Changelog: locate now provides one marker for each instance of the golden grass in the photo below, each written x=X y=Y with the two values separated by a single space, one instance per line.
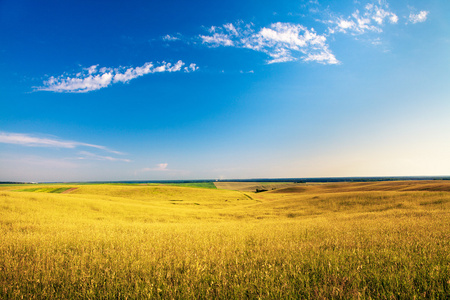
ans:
x=339 y=241
x=252 y=186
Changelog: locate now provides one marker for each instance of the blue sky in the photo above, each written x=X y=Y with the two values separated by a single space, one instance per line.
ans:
x=147 y=90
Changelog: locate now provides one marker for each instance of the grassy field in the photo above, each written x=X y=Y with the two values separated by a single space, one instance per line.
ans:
x=378 y=240
x=206 y=185
x=252 y=186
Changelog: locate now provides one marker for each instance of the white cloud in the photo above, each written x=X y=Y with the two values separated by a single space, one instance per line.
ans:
x=418 y=18
x=370 y=19
x=159 y=167
x=345 y=24
x=20 y=163
x=380 y=13
x=92 y=69
x=286 y=41
x=75 y=84
x=89 y=155
x=282 y=42
x=162 y=167
x=33 y=141
x=218 y=39
x=376 y=42
x=324 y=56
x=27 y=140
x=95 y=79
x=191 y=68
x=170 y=38
x=393 y=19
x=132 y=73
x=230 y=27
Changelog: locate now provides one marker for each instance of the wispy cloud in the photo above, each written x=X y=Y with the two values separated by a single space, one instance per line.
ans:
x=282 y=42
x=217 y=39
x=89 y=155
x=191 y=68
x=371 y=18
x=159 y=167
x=35 y=141
x=94 y=78
x=27 y=162
x=418 y=18
x=162 y=168
x=170 y=38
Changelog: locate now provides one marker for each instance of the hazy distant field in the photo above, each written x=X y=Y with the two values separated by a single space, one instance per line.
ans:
x=252 y=186
x=377 y=240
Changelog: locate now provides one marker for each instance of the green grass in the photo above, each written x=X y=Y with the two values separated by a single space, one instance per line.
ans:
x=206 y=185
x=172 y=242
x=252 y=186
x=56 y=190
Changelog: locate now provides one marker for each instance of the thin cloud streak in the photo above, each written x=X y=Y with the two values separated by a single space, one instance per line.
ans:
x=33 y=141
x=159 y=167
x=89 y=155
x=43 y=162
x=93 y=78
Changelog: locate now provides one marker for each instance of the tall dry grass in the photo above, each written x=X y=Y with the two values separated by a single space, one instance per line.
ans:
x=131 y=242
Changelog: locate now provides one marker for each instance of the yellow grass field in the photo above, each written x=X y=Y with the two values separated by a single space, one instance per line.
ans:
x=252 y=186
x=371 y=240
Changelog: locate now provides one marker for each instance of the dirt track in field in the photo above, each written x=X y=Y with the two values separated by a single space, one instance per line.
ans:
x=69 y=190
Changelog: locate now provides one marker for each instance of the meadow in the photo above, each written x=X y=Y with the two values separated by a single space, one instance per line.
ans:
x=367 y=240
